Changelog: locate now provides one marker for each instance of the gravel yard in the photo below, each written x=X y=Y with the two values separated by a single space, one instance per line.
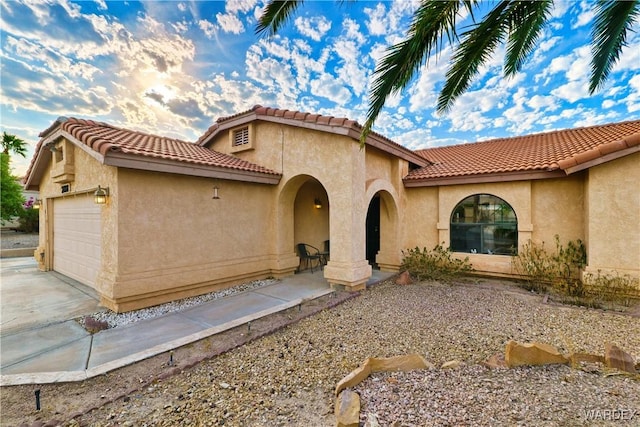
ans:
x=288 y=378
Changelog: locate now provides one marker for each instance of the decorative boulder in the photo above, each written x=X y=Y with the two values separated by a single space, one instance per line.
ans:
x=404 y=279
x=405 y=363
x=354 y=378
x=496 y=361
x=347 y=409
x=616 y=358
x=532 y=354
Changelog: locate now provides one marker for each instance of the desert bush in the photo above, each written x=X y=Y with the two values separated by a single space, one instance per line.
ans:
x=435 y=264
x=613 y=287
x=560 y=270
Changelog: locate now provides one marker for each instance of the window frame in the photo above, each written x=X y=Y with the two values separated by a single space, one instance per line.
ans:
x=489 y=226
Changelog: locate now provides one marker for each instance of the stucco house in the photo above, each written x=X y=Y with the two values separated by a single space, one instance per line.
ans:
x=181 y=218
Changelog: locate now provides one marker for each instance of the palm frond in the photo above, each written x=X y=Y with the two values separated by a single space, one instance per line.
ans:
x=432 y=21
x=527 y=21
x=275 y=15
x=476 y=48
x=609 y=35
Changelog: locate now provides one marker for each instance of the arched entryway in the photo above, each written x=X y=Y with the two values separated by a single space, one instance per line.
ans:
x=311 y=214
x=382 y=227
x=373 y=231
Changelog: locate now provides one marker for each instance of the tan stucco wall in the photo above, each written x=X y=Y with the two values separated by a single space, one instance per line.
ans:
x=613 y=211
x=558 y=208
x=543 y=208
x=175 y=240
x=88 y=173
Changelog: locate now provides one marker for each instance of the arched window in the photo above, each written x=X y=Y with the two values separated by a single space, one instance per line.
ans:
x=484 y=224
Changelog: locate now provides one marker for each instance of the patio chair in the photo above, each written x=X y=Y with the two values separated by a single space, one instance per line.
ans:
x=308 y=254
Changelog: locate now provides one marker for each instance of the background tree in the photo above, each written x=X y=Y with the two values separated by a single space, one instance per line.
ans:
x=11 y=198
x=13 y=144
x=518 y=23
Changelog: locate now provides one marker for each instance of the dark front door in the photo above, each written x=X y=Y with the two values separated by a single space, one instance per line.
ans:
x=373 y=230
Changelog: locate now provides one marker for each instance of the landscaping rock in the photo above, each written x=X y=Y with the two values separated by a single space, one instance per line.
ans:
x=531 y=354
x=576 y=358
x=404 y=279
x=355 y=377
x=407 y=362
x=451 y=364
x=616 y=358
x=496 y=361
x=347 y=409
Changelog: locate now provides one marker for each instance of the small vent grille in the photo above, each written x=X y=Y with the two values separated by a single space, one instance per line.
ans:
x=65 y=188
x=241 y=136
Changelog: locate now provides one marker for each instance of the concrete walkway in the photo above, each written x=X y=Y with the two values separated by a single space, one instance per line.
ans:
x=41 y=343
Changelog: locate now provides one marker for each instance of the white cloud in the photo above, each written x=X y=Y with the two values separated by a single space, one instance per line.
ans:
x=585 y=15
x=327 y=86
x=315 y=27
x=632 y=101
x=539 y=102
x=607 y=103
x=230 y=23
x=235 y=6
x=208 y=28
x=572 y=91
x=102 y=4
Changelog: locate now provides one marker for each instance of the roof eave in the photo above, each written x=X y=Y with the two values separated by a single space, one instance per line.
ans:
x=353 y=131
x=43 y=156
x=600 y=160
x=484 y=178
x=129 y=161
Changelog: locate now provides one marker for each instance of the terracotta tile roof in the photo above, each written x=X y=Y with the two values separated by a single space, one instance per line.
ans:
x=317 y=121
x=104 y=139
x=551 y=151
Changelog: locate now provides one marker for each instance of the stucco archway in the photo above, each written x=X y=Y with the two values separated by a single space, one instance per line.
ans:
x=383 y=213
x=299 y=218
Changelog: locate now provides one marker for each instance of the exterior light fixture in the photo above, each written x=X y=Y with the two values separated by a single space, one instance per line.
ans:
x=53 y=148
x=215 y=192
x=37 y=204
x=100 y=196
x=317 y=203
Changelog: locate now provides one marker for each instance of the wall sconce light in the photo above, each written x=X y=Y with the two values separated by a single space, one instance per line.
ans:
x=317 y=203
x=53 y=148
x=37 y=204
x=100 y=196
x=215 y=192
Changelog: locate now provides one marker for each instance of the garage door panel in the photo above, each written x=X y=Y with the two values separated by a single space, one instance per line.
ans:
x=77 y=238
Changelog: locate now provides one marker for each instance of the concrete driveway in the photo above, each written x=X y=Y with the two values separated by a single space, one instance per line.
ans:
x=31 y=298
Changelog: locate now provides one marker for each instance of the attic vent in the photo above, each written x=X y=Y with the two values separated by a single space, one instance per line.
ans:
x=241 y=136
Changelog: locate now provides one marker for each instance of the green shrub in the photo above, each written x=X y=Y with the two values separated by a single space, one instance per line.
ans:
x=435 y=264
x=29 y=217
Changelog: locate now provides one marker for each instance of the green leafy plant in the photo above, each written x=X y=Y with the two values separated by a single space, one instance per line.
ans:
x=435 y=264
x=29 y=217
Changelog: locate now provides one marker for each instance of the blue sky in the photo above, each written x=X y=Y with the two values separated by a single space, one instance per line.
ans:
x=173 y=67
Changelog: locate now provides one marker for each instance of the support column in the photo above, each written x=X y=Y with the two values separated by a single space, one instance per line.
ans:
x=348 y=269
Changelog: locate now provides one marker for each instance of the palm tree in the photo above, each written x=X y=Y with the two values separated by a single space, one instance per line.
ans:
x=519 y=23
x=14 y=144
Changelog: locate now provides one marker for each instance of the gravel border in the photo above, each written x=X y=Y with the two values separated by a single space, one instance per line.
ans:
x=115 y=320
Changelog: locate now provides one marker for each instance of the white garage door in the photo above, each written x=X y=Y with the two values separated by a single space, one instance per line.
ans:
x=77 y=238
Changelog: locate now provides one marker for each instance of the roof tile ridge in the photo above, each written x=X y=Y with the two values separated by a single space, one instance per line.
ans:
x=600 y=150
